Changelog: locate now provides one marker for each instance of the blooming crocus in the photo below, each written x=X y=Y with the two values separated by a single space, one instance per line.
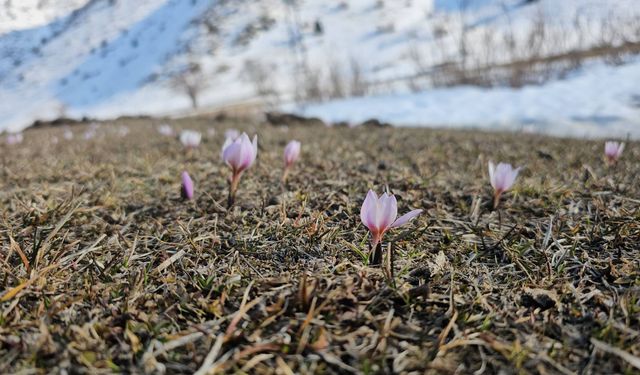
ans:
x=291 y=154
x=612 y=151
x=67 y=134
x=239 y=154
x=190 y=138
x=231 y=133
x=380 y=215
x=502 y=178
x=14 y=138
x=187 y=186
x=166 y=130
x=89 y=134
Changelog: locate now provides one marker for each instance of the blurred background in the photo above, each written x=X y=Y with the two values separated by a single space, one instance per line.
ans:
x=564 y=67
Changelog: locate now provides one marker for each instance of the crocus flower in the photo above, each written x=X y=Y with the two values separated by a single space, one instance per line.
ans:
x=502 y=178
x=231 y=133
x=187 y=186
x=14 y=138
x=380 y=215
x=239 y=154
x=166 y=130
x=612 y=151
x=291 y=154
x=89 y=134
x=190 y=138
x=67 y=134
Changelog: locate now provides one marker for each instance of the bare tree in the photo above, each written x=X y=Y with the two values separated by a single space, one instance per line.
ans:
x=336 y=81
x=190 y=80
x=359 y=86
x=261 y=78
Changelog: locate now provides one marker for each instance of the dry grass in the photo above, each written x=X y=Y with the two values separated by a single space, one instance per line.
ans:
x=104 y=269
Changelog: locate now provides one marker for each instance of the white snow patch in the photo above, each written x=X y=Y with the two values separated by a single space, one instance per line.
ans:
x=601 y=101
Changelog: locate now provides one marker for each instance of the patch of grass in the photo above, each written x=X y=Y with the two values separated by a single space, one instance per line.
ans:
x=117 y=274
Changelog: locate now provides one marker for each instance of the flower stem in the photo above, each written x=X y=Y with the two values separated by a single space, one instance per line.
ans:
x=233 y=188
x=375 y=256
x=285 y=174
x=496 y=199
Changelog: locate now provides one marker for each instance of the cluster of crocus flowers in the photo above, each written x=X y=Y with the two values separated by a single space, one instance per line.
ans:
x=239 y=154
x=379 y=214
x=502 y=178
x=613 y=151
x=291 y=154
x=186 y=190
x=14 y=138
x=190 y=139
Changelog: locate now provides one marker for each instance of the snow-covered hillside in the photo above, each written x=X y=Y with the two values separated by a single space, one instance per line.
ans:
x=601 y=101
x=104 y=58
x=23 y=14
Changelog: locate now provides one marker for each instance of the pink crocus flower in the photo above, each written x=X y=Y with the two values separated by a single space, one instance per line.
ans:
x=231 y=133
x=166 y=130
x=502 y=178
x=190 y=138
x=612 y=151
x=187 y=186
x=239 y=154
x=291 y=154
x=380 y=215
x=14 y=138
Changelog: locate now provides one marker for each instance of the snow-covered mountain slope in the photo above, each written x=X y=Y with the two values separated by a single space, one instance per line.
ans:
x=104 y=58
x=601 y=101
x=23 y=14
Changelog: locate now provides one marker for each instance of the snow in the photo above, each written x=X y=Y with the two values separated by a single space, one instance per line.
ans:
x=103 y=58
x=23 y=14
x=600 y=101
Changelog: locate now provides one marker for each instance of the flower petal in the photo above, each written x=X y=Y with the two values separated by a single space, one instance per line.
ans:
x=492 y=171
x=368 y=210
x=388 y=212
x=402 y=220
x=227 y=143
x=232 y=155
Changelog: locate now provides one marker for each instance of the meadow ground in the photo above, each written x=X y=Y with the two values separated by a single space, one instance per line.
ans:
x=105 y=269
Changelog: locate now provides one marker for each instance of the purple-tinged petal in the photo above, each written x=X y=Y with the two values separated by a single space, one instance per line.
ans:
x=492 y=174
x=402 y=220
x=187 y=186
x=368 y=210
x=232 y=155
x=227 y=143
x=388 y=211
x=291 y=153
